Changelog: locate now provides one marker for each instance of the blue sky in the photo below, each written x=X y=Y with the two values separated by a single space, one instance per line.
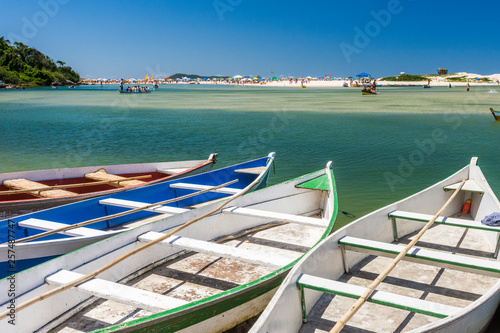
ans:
x=115 y=39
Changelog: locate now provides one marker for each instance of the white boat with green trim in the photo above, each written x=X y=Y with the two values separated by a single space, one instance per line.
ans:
x=447 y=282
x=208 y=277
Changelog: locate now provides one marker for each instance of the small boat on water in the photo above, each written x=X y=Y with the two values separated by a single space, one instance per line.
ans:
x=136 y=91
x=27 y=191
x=426 y=86
x=368 y=91
x=45 y=234
x=208 y=277
x=496 y=114
x=447 y=282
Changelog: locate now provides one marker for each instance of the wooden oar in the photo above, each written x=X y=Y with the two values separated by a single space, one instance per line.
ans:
x=108 y=217
x=371 y=288
x=93 y=274
x=72 y=185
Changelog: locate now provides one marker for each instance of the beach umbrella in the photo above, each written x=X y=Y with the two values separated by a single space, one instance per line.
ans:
x=237 y=77
x=246 y=76
x=363 y=75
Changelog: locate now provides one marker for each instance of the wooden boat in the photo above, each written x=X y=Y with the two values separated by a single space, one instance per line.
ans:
x=496 y=114
x=208 y=277
x=449 y=282
x=112 y=214
x=27 y=191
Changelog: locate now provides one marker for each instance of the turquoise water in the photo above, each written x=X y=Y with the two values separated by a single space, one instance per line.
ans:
x=383 y=147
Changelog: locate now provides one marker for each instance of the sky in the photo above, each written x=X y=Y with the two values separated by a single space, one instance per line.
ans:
x=130 y=39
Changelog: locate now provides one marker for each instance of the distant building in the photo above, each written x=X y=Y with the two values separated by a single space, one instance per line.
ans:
x=442 y=71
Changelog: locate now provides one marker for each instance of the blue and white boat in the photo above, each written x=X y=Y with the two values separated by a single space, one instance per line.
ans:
x=116 y=213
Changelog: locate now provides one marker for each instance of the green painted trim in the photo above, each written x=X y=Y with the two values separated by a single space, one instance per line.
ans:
x=318 y=183
x=371 y=300
x=479 y=227
x=189 y=318
x=416 y=256
x=237 y=295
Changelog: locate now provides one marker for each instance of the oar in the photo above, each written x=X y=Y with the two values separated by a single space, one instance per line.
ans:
x=371 y=288
x=72 y=185
x=108 y=217
x=93 y=274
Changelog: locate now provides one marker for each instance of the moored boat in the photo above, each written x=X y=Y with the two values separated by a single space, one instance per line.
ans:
x=208 y=277
x=447 y=282
x=368 y=91
x=496 y=114
x=41 y=235
x=138 y=91
x=27 y=191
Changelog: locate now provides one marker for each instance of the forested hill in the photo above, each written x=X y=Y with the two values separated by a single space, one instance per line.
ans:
x=23 y=65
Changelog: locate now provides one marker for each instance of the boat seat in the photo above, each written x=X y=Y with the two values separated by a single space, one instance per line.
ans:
x=311 y=221
x=171 y=171
x=114 y=180
x=121 y=293
x=444 y=221
x=262 y=257
x=197 y=187
x=423 y=256
x=469 y=186
x=252 y=171
x=38 y=189
x=49 y=226
x=136 y=204
x=378 y=297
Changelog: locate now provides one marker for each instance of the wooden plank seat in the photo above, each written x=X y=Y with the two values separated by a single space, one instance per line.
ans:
x=114 y=180
x=121 y=293
x=311 y=221
x=49 y=225
x=442 y=220
x=171 y=171
x=469 y=186
x=197 y=187
x=39 y=191
x=160 y=209
x=423 y=256
x=251 y=171
x=263 y=257
x=379 y=297
x=450 y=221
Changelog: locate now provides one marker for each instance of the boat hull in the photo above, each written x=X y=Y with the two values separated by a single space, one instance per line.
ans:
x=35 y=252
x=12 y=205
x=285 y=311
x=496 y=114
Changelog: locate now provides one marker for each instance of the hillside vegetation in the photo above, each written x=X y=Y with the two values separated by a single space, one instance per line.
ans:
x=23 y=65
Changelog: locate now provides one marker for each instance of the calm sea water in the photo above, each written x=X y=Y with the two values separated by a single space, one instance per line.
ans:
x=383 y=147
